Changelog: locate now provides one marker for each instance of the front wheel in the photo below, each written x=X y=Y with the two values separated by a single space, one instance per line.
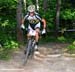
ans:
x=32 y=49
x=28 y=51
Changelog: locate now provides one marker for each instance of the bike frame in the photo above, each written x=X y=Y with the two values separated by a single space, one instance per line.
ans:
x=30 y=48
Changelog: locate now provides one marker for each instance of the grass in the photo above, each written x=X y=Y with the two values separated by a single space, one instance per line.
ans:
x=60 y=39
x=4 y=54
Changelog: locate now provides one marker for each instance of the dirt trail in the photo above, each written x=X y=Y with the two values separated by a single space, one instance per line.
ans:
x=50 y=59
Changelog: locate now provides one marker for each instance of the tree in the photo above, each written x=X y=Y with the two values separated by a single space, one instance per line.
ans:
x=57 y=15
x=73 y=3
x=45 y=4
x=37 y=5
x=24 y=4
x=19 y=18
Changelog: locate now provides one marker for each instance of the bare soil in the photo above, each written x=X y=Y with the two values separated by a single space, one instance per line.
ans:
x=50 y=59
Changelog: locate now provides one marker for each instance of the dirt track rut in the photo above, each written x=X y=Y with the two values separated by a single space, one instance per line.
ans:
x=51 y=59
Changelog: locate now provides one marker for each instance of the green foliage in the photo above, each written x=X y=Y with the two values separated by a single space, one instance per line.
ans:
x=50 y=14
x=11 y=44
x=8 y=7
x=62 y=39
x=71 y=48
x=7 y=36
x=7 y=50
x=4 y=53
x=68 y=14
x=29 y=2
x=74 y=43
x=8 y=28
x=8 y=3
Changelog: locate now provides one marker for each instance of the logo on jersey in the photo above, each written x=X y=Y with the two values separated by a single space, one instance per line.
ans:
x=33 y=21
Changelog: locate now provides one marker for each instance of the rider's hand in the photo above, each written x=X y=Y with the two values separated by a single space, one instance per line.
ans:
x=44 y=31
x=22 y=26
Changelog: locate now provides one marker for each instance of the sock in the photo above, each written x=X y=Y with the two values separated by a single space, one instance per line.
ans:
x=36 y=43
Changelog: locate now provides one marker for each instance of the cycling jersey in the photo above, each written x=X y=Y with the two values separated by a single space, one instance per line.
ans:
x=33 y=21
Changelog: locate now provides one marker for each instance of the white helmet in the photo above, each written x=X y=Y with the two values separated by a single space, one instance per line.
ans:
x=31 y=8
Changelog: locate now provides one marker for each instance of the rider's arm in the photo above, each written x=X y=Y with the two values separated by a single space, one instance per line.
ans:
x=22 y=24
x=44 y=23
x=23 y=20
x=42 y=20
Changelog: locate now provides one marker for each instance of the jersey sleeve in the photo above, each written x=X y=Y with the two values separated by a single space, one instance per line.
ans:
x=39 y=17
x=26 y=16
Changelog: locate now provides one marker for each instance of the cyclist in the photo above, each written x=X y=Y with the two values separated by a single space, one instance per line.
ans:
x=34 y=23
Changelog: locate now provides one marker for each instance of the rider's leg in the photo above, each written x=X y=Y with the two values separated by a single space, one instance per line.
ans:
x=37 y=37
x=28 y=36
x=37 y=34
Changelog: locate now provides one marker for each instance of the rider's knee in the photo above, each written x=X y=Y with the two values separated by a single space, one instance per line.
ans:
x=37 y=30
x=37 y=34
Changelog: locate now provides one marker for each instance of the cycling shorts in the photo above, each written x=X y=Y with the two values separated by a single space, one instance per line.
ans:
x=34 y=26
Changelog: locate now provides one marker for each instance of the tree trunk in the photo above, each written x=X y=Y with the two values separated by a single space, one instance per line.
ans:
x=45 y=4
x=57 y=16
x=24 y=4
x=37 y=5
x=73 y=3
x=19 y=17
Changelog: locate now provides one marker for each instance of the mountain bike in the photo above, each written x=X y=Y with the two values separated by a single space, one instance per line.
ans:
x=29 y=52
x=30 y=48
